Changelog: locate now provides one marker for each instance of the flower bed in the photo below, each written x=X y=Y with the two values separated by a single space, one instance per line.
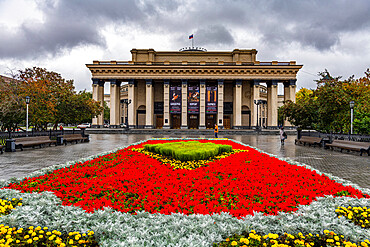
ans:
x=247 y=185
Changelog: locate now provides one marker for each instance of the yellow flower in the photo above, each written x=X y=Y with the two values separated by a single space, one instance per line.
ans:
x=234 y=243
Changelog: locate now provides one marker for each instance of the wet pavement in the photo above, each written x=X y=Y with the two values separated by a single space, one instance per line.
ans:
x=350 y=166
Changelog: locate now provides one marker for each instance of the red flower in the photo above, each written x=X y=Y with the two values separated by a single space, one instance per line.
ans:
x=244 y=182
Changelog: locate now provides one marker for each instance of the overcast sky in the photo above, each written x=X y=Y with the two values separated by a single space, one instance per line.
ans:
x=64 y=35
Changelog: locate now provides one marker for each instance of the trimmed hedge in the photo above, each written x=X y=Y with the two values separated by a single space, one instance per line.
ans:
x=186 y=151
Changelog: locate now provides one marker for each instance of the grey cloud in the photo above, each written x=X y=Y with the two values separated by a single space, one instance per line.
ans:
x=213 y=35
x=315 y=23
x=68 y=24
x=318 y=24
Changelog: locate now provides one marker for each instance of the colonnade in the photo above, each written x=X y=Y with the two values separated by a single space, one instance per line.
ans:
x=244 y=92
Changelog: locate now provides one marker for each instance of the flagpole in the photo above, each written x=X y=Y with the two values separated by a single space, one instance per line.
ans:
x=192 y=42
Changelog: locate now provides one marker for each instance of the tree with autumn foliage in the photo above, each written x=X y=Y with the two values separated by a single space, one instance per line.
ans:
x=326 y=108
x=53 y=99
x=12 y=103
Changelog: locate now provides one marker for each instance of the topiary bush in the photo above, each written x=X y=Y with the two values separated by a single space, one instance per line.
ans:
x=191 y=150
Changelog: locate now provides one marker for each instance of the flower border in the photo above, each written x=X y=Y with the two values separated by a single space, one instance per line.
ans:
x=115 y=228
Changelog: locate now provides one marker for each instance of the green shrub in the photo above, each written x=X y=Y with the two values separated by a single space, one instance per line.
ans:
x=191 y=150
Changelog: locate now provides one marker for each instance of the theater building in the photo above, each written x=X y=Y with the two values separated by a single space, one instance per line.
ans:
x=193 y=89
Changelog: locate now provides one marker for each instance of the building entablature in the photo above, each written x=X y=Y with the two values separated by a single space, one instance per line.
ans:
x=123 y=72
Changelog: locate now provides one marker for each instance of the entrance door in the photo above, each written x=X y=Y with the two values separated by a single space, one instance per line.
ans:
x=176 y=121
x=227 y=122
x=159 y=122
x=210 y=121
x=193 y=121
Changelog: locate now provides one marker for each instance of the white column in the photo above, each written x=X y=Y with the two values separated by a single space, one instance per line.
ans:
x=202 y=110
x=114 y=103
x=149 y=104
x=95 y=96
x=292 y=89
x=101 y=99
x=184 y=104
x=132 y=106
x=166 y=104
x=237 y=104
x=255 y=95
x=220 y=104
x=289 y=94
x=272 y=106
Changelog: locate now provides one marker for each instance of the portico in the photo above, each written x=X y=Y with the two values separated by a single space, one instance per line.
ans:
x=193 y=88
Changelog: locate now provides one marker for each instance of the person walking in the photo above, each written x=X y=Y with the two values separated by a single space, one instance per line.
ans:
x=216 y=131
x=283 y=135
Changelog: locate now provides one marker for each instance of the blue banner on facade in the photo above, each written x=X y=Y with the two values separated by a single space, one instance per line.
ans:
x=193 y=99
x=175 y=99
x=211 y=99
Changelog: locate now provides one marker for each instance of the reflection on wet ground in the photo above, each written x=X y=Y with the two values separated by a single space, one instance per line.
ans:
x=350 y=166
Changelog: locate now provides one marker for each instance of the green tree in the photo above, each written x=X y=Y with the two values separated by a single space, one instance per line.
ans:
x=302 y=113
x=327 y=107
x=85 y=107
x=106 y=112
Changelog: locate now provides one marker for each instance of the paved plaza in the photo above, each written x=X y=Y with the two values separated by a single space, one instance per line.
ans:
x=349 y=166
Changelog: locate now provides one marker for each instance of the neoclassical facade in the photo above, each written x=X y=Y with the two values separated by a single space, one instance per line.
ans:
x=193 y=88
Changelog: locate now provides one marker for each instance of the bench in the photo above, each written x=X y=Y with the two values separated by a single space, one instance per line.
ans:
x=33 y=141
x=1 y=149
x=350 y=145
x=310 y=140
x=74 y=138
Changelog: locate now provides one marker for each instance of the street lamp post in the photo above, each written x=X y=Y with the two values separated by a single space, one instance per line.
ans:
x=351 y=105
x=257 y=102
x=127 y=102
x=27 y=102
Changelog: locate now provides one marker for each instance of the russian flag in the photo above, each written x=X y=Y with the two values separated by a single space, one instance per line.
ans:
x=191 y=36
